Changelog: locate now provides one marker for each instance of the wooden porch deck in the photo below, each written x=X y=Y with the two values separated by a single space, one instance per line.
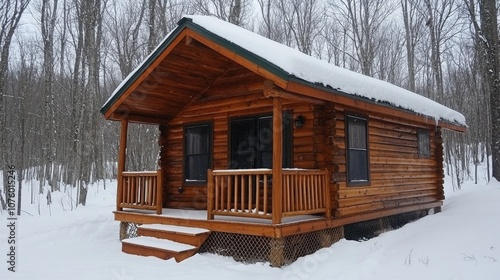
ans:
x=228 y=224
x=255 y=226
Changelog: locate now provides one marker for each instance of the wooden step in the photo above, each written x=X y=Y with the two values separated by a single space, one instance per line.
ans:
x=187 y=235
x=160 y=248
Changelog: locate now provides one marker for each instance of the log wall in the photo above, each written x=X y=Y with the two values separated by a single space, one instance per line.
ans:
x=398 y=175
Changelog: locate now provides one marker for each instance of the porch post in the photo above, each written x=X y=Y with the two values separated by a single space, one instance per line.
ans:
x=277 y=160
x=121 y=163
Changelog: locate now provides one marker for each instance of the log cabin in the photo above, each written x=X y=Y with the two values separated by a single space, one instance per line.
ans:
x=268 y=154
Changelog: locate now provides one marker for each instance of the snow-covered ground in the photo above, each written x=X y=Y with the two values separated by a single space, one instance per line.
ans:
x=462 y=242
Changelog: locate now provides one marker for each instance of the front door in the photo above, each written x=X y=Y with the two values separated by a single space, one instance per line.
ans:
x=252 y=142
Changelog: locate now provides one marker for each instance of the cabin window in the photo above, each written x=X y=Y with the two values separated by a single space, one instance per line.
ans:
x=357 y=150
x=197 y=151
x=424 y=143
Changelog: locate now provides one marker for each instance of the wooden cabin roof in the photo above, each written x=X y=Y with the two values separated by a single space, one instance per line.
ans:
x=204 y=50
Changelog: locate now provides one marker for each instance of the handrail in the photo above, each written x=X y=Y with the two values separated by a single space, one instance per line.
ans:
x=140 y=190
x=248 y=193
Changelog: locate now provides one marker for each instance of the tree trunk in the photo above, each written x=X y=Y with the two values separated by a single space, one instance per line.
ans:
x=490 y=41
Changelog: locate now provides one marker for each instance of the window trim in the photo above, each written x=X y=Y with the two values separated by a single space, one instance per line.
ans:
x=364 y=118
x=419 y=144
x=186 y=126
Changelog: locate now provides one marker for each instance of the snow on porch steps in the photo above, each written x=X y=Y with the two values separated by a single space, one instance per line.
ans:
x=186 y=235
x=160 y=248
x=176 y=229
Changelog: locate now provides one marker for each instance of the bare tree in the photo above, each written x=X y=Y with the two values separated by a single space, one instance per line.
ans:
x=441 y=21
x=413 y=23
x=487 y=32
x=234 y=11
x=10 y=14
x=48 y=13
x=364 y=22
x=304 y=19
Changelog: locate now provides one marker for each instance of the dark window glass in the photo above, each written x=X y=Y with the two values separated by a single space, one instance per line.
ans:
x=197 y=152
x=424 y=144
x=252 y=142
x=357 y=150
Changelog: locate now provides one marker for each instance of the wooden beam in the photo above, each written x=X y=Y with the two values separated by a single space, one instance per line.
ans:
x=277 y=160
x=159 y=192
x=271 y=91
x=121 y=162
x=120 y=116
x=210 y=195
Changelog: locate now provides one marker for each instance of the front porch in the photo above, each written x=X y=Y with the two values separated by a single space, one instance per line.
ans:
x=240 y=193
x=245 y=239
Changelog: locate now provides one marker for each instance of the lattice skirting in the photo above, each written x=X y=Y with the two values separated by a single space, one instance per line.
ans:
x=128 y=230
x=276 y=251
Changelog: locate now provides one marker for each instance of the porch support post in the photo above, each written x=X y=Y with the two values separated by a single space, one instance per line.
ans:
x=121 y=163
x=277 y=160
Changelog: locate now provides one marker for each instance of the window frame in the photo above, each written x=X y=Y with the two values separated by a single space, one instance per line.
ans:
x=350 y=181
x=427 y=152
x=186 y=181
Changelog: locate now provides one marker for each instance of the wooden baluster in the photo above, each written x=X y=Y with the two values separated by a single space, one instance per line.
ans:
x=250 y=193
x=326 y=194
x=217 y=193
x=317 y=187
x=288 y=194
x=229 y=192
x=265 y=194
x=242 y=196
x=257 y=192
x=236 y=186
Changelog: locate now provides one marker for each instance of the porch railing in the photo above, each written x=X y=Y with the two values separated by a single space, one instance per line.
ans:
x=306 y=192
x=248 y=193
x=140 y=190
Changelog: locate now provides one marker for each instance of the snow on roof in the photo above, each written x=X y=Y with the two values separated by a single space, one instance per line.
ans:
x=312 y=70
x=317 y=71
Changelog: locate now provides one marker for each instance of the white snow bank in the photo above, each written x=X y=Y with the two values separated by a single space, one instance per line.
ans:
x=459 y=243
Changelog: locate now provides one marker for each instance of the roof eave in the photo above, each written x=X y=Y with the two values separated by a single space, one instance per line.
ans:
x=454 y=126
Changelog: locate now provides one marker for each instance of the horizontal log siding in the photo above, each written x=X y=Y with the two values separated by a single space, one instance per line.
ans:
x=398 y=176
x=242 y=98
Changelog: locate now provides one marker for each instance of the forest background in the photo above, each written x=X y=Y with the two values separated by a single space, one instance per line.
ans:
x=61 y=59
